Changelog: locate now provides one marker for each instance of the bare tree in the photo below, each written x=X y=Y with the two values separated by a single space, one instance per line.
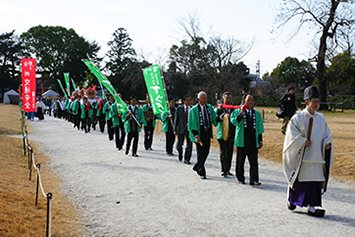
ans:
x=223 y=57
x=331 y=19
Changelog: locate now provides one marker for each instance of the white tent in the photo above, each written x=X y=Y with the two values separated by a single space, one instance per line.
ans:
x=11 y=97
x=50 y=94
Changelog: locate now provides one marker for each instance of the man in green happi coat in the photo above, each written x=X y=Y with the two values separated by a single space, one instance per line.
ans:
x=116 y=123
x=132 y=128
x=149 y=125
x=106 y=111
x=248 y=139
x=86 y=114
x=202 y=117
x=100 y=115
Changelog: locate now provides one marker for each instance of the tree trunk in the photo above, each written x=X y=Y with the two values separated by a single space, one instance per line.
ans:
x=322 y=85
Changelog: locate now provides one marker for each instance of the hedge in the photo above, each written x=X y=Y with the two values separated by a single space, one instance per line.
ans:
x=274 y=100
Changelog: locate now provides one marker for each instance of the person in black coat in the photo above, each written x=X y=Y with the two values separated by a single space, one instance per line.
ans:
x=288 y=105
x=180 y=129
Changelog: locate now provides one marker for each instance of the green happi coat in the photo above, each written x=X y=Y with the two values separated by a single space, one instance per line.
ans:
x=166 y=121
x=99 y=111
x=239 y=127
x=157 y=116
x=75 y=107
x=106 y=110
x=114 y=115
x=194 y=120
x=66 y=105
x=126 y=121
x=83 y=109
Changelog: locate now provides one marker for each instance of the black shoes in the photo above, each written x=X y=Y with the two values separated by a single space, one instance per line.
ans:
x=255 y=183
x=203 y=176
x=241 y=182
x=187 y=162
x=290 y=206
x=180 y=157
x=317 y=213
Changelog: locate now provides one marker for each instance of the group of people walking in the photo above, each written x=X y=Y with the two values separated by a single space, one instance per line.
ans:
x=307 y=160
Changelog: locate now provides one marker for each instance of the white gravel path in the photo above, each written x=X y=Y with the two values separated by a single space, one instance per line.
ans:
x=156 y=195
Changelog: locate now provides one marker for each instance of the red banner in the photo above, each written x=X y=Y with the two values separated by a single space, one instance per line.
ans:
x=28 y=66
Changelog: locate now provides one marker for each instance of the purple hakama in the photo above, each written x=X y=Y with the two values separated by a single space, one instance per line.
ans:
x=306 y=194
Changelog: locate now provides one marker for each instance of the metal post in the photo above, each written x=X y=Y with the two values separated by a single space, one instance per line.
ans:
x=23 y=131
x=30 y=161
x=49 y=214
x=38 y=167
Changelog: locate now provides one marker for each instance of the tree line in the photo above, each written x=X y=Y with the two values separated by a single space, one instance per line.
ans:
x=213 y=64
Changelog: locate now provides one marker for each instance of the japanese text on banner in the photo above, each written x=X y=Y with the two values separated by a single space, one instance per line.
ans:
x=28 y=66
x=155 y=87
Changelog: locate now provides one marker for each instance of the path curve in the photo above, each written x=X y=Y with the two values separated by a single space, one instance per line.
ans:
x=156 y=195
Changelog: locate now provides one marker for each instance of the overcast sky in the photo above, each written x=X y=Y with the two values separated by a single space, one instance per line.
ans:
x=153 y=25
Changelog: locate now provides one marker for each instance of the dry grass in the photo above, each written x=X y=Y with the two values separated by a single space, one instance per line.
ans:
x=342 y=125
x=343 y=130
x=19 y=216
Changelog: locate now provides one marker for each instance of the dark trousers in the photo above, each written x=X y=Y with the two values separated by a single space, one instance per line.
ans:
x=225 y=154
x=134 y=136
x=110 y=129
x=180 y=142
x=102 y=122
x=77 y=121
x=148 y=136
x=170 y=139
x=202 y=154
x=119 y=136
x=94 y=121
x=252 y=154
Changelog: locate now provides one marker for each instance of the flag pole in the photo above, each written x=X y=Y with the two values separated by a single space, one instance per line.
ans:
x=166 y=95
x=135 y=119
x=102 y=89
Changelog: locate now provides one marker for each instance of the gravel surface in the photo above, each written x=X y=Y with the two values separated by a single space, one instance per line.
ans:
x=156 y=195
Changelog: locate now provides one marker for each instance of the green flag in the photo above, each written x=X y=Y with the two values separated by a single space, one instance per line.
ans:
x=155 y=87
x=65 y=94
x=121 y=106
x=66 y=77
x=72 y=81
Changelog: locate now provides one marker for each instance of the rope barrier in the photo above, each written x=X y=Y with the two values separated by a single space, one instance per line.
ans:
x=32 y=162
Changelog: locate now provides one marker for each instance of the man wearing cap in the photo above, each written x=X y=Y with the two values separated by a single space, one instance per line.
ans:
x=308 y=156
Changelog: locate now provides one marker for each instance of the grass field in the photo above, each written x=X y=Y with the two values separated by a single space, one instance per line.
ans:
x=18 y=214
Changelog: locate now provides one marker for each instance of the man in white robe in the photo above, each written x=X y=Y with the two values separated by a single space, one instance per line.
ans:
x=306 y=162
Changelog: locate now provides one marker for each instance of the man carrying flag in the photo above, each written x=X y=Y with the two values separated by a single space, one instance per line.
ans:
x=132 y=128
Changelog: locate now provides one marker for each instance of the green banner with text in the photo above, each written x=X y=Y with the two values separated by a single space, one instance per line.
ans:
x=156 y=90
